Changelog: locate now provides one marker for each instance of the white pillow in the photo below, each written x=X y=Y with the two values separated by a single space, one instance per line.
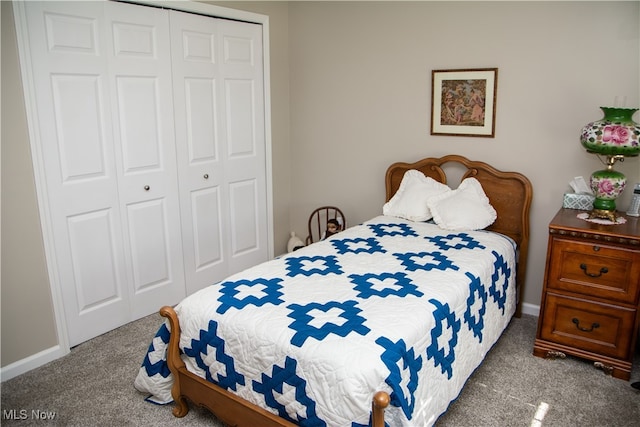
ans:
x=410 y=201
x=466 y=208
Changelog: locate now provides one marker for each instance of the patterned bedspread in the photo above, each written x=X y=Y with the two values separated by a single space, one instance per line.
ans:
x=389 y=305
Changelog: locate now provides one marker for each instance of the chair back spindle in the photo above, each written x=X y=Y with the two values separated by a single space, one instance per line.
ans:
x=317 y=224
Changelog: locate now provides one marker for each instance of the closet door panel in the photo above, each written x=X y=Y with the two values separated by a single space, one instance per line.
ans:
x=149 y=244
x=244 y=136
x=142 y=105
x=244 y=224
x=68 y=58
x=200 y=103
x=241 y=126
x=207 y=227
x=205 y=222
x=72 y=29
x=94 y=250
x=200 y=154
x=81 y=143
x=139 y=128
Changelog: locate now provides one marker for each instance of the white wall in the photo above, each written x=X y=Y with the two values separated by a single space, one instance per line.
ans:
x=361 y=87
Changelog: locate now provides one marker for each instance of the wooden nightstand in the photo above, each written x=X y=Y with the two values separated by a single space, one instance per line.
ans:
x=591 y=295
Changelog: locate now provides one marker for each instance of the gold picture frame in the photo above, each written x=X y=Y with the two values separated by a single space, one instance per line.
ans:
x=463 y=102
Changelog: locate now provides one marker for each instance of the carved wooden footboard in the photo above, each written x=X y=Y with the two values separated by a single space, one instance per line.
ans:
x=229 y=408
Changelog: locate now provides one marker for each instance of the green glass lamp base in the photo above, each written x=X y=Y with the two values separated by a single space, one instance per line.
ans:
x=607 y=186
x=604 y=204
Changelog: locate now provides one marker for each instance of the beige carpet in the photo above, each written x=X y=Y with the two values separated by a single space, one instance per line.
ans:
x=93 y=386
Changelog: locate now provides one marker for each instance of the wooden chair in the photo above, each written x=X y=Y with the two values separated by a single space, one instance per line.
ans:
x=318 y=222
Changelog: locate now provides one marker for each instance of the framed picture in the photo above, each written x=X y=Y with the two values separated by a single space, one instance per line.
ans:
x=463 y=102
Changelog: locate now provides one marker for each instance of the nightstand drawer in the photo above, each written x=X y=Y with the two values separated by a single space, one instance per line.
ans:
x=600 y=328
x=595 y=270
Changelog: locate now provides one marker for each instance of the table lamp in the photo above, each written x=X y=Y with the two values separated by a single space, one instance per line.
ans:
x=616 y=137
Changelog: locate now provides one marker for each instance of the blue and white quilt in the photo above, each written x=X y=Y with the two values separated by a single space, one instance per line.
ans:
x=392 y=305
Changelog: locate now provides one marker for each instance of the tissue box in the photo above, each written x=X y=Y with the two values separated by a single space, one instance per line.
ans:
x=578 y=201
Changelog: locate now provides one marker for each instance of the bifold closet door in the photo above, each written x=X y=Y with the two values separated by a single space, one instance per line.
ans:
x=104 y=135
x=219 y=99
x=139 y=61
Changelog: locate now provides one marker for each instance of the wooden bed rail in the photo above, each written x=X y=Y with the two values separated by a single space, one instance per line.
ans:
x=229 y=408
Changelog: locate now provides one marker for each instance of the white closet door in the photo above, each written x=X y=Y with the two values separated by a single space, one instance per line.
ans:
x=126 y=203
x=102 y=139
x=75 y=132
x=243 y=124
x=218 y=89
x=196 y=86
x=144 y=139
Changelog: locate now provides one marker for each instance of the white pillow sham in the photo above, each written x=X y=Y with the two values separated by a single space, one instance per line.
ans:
x=410 y=201
x=466 y=208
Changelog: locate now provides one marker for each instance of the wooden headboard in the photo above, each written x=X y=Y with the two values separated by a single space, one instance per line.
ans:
x=509 y=193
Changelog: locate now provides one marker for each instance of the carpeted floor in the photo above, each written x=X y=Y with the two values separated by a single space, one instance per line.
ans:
x=93 y=386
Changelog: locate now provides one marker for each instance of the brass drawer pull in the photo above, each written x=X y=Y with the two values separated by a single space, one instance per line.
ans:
x=593 y=326
x=603 y=270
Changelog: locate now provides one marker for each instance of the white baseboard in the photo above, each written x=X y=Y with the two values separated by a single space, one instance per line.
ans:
x=34 y=361
x=533 y=310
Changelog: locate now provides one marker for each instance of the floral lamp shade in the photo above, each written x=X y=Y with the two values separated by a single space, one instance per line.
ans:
x=615 y=136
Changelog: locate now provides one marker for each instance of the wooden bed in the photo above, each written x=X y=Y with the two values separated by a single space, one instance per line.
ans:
x=510 y=193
